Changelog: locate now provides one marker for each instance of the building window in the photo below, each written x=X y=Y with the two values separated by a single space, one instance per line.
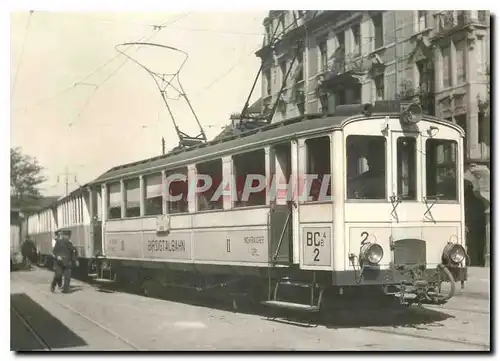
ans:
x=208 y=199
x=379 y=86
x=461 y=55
x=441 y=169
x=378 y=30
x=482 y=16
x=267 y=76
x=318 y=164
x=481 y=128
x=249 y=190
x=268 y=32
x=356 y=35
x=407 y=168
x=340 y=98
x=323 y=55
x=154 y=195
x=299 y=72
x=447 y=76
x=177 y=191
x=422 y=20
x=283 y=72
x=114 y=202
x=356 y=94
x=366 y=167
x=282 y=22
x=424 y=75
x=133 y=197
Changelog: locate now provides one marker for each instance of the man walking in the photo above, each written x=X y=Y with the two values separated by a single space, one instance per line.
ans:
x=64 y=254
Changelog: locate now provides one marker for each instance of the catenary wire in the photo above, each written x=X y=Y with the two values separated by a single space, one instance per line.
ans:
x=26 y=31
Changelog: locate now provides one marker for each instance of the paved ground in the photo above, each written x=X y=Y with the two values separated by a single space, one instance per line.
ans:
x=91 y=320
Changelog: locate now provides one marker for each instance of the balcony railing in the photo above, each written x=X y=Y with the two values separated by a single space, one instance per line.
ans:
x=454 y=19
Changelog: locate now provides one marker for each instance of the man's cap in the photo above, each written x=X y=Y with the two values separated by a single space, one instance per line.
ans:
x=63 y=231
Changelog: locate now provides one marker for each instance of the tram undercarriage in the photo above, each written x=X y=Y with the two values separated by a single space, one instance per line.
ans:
x=285 y=287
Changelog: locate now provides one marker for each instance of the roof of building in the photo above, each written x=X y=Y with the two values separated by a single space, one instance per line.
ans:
x=31 y=204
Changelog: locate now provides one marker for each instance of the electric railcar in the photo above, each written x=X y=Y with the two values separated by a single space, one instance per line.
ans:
x=387 y=215
x=72 y=213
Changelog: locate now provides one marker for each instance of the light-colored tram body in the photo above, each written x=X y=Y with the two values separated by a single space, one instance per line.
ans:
x=70 y=212
x=330 y=243
x=41 y=228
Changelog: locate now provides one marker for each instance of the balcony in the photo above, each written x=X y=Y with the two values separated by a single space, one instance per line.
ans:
x=343 y=68
x=452 y=20
x=422 y=94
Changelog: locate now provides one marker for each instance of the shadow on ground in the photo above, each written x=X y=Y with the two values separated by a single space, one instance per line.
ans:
x=370 y=312
x=386 y=311
x=52 y=331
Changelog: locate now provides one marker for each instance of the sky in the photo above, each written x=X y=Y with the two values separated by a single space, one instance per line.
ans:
x=80 y=124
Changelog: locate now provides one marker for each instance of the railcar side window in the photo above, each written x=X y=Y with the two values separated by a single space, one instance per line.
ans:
x=407 y=168
x=318 y=164
x=132 y=198
x=366 y=167
x=245 y=166
x=441 y=169
x=177 y=195
x=114 y=201
x=206 y=199
x=154 y=197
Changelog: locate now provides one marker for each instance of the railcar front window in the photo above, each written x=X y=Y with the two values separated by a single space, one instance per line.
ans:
x=407 y=168
x=318 y=163
x=366 y=167
x=441 y=169
x=207 y=200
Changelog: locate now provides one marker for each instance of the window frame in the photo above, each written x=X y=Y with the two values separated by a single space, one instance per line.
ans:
x=126 y=182
x=234 y=179
x=396 y=171
x=387 y=169
x=305 y=165
x=168 y=172
x=427 y=167
x=197 y=197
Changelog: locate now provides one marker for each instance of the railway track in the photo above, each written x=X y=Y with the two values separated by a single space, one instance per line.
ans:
x=400 y=331
x=45 y=346
x=76 y=313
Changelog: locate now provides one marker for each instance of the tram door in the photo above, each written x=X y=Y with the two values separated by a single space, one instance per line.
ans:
x=281 y=213
x=96 y=236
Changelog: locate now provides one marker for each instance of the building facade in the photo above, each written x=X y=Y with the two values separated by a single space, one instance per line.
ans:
x=439 y=58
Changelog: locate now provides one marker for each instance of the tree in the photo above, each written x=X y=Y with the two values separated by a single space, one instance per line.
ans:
x=25 y=176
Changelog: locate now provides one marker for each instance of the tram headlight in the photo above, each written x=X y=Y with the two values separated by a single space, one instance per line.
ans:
x=454 y=253
x=372 y=252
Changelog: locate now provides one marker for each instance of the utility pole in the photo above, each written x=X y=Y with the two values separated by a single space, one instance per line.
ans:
x=66 y=175
x=162 y=145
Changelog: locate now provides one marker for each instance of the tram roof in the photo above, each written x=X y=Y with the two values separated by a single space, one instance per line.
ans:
x=251 y=139
x=279 y=131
